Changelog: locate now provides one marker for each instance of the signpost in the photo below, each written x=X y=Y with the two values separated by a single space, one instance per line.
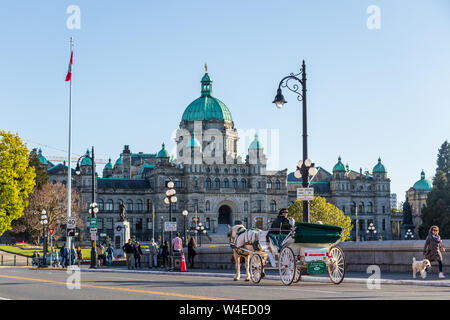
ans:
x=170 y=226
x=305 y=194
x=51 y=231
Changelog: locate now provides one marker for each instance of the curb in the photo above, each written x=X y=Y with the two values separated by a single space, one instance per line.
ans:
x=432 y=283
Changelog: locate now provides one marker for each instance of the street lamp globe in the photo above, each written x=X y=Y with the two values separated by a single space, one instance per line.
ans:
x=297 y=174
x=166 y=201
x=312 y=171
x=308 y=162
x=170 y=184
x=279 y=99
x=173 y=199
x=185 y=212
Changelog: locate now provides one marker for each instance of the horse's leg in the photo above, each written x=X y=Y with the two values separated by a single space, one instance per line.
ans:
x=247 y=267
x=237 y=262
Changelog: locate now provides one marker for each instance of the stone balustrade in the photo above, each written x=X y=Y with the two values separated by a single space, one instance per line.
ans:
x=390 y=256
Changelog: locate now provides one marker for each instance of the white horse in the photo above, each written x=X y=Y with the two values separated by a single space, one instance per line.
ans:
x=241 y=238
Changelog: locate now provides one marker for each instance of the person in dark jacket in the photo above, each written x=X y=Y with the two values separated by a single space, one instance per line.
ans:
x=79 y=255
x=281 y=223
x=137 y=255
x=165 y=253
x=128 y=249
x=64 y=256
x=191 y=252
x=433 y=248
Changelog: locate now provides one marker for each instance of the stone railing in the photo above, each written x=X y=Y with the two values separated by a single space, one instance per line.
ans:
x=390 y=256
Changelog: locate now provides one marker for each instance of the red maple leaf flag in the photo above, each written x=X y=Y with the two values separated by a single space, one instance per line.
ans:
x=69 y=72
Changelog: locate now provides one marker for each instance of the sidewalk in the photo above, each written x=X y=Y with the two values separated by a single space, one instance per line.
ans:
x=350 y=277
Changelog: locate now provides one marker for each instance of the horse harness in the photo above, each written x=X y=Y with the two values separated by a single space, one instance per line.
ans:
x=247 y=241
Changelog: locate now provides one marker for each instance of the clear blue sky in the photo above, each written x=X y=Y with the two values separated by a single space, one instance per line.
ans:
x=137 y=65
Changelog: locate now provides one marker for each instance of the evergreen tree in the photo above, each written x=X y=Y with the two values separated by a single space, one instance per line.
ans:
x=437 y=209
x=41 y=170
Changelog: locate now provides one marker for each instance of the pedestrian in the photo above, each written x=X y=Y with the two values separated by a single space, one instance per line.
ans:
x=165 y=253
x=177 y=243
x=101 y=255
x=64 y=256
x=128 y=249
x=79 y=255
x=153 y=259
x=110 y=252
x=137 y=255
x=73 y=255
x=433 y=248
x=191 y=251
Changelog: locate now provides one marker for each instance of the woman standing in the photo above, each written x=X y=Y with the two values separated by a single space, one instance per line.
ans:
x=191 y=251
x=79 y=255
x=433 y=248
x=165 y=253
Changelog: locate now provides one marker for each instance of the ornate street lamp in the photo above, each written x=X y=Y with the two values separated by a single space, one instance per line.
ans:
x=372 y=230
x=305 y=166
x=409 y=235
x=200 y=229
x=169 y=200
x=185 y=213
x=44 y=222
x=93 y=210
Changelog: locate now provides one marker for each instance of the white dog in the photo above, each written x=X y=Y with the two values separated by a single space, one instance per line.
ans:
x=420 y=266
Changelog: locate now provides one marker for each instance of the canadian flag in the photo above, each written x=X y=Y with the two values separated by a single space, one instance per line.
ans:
x=69 y=72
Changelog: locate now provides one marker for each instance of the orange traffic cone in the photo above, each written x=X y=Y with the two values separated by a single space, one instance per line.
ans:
x=183 y=262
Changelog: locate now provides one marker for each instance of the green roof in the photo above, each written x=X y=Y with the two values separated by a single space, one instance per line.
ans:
x=379 y=167
x=423 y=184
x=206 y=107
x=339 y=166
x=108 y=166
x=256 y=144
x=42 y=159
x=119 y=161
x=86 y=161
x=163 y=153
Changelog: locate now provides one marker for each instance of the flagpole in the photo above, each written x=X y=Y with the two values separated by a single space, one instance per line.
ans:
x=69 y=169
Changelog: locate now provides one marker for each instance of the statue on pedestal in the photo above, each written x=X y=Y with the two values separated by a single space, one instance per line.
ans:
x=122 y=212
x=407 y=214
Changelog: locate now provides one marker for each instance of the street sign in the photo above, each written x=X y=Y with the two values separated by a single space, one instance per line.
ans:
x=93 y=223
x=71 y=232
x=71 y=223
x=93 y=236
x=170 y=226
x=305 y=194
x=93 y=230
x=51 y=231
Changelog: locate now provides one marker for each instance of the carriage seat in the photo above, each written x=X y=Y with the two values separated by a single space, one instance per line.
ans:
x=277 y=239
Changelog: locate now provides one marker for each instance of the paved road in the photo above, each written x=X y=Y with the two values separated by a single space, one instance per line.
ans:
x=23 y=283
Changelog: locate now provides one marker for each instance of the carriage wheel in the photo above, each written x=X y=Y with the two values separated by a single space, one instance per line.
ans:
x=298 y=274
x=336 y=269
x=256 y=268
x=287 y=266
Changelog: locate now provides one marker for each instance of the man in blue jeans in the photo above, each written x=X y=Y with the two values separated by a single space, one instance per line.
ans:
x=110 y=253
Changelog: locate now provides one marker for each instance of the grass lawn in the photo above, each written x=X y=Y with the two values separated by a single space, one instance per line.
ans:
x=16 y=250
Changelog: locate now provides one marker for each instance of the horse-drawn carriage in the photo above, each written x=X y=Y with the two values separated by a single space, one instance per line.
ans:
x=307 y=247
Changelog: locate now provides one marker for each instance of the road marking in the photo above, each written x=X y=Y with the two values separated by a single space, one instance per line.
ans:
x=1 y=298
x=180 y=295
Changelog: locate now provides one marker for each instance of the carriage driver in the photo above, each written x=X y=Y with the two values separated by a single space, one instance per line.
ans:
x=281 y=223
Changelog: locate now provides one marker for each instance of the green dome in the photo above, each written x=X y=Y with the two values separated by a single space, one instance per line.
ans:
x=206 y=107
x=163 y=153
x=423 y=184
x=256 y=144
x=86 y=161
x=379 y=167
x=42 y=159
x=119 y=161
x=193 y=142
x=108 y=166
x=339 y=166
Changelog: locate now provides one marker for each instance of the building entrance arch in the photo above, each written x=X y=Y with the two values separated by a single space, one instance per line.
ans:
x=224 y=215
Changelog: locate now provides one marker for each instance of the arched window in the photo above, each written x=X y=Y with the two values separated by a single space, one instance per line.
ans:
x=100 y=205
x=234 y=170
x=139 y=205
x=361 y=207
x=273 y=206
x=243 y=184
x=225 y=171
x=109 y=205
x=208 y=183
x=226 y=183
x=235 y=183
x=370 y=207
x=207 y=206
x=129 y=205
x=353 y=208
x=277 y=184
x=246 y=206
x=217 y=183
x=269 y=184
